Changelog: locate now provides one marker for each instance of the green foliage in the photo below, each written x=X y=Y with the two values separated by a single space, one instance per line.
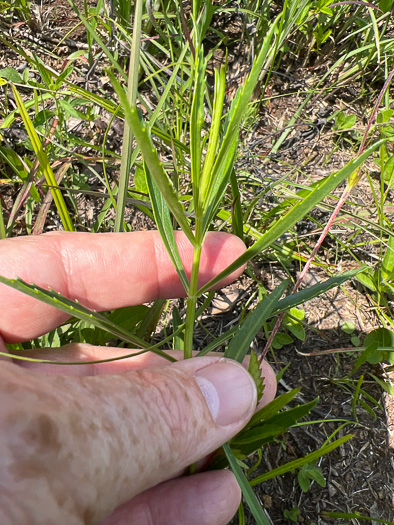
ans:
x=292 y=514
x=344 y=122
x=239 y=345
x=188 y=133
x=310 y=472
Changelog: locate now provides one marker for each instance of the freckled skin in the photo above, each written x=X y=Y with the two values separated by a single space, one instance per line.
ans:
x=61 y=444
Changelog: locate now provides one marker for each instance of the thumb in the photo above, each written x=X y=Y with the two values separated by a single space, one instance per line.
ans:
x=104 y=439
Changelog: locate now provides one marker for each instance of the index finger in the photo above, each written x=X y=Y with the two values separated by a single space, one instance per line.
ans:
x=102 y=271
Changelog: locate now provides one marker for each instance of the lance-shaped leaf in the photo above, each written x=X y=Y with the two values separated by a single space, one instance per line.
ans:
x=239 y=345
x=73 y=309
x=164 y=225
x=196 y=122
x=223 y=164
x=151 y=158
x=290 y=301
x=296 y=213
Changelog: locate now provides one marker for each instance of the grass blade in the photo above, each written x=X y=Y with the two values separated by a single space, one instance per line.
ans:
x=239 y=345
x=297 y=212
x=353 y=515
x=44 y=164
x=95 y=35
x=152 y=160
x=220 y=91
x=249 y=495
x=298 y=463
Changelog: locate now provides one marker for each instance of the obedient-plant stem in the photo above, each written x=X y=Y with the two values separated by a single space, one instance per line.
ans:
x=193 y=294
x=191 y=303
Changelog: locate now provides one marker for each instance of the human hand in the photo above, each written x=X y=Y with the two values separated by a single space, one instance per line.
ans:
x=78 y=442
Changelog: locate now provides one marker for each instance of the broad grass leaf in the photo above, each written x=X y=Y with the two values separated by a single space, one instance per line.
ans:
x=239 y=345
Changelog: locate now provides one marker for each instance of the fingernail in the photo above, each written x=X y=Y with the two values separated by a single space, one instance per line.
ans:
x=229 y=391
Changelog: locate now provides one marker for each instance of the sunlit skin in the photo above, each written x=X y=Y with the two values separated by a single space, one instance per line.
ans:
x=110 y=443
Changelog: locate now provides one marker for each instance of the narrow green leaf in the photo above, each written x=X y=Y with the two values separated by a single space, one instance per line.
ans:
x=298 y=463
x=220 y=90
x=152 y=160
x=164 y=225
x=236 y=215
x=375 y=31
x=44 y=164
x=196 y=123
x=353 y=515
x=149 y=323
x=388 y=260
x=178 y=339
x=272 y=408
x=239 y=107
x=296 y=213
x=239 y=345
x=249 y=495
x=290 y=301
x=73 y=308
x=274 y=426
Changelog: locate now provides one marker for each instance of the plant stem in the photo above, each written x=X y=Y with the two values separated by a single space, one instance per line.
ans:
x=191 y=302
x=3 y=234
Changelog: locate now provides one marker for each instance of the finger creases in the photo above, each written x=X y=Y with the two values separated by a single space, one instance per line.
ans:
x=79 y=436
x=101 y=271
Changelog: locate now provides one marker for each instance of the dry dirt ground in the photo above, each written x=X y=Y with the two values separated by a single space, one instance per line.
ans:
x=360 y=473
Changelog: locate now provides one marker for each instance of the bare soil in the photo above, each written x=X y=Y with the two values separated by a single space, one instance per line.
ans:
x=360 y=473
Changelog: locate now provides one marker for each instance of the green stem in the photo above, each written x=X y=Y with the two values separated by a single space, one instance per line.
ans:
x=191 y=302
x=3 y=234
